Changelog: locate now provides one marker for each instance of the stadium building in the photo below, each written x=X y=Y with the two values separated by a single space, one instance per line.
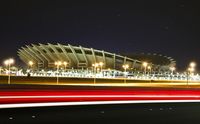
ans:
x=44 y=56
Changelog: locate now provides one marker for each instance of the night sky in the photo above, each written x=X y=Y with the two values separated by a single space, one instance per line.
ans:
x=166 y=27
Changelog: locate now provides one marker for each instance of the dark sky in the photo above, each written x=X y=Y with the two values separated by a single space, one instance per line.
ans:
x=167 y=27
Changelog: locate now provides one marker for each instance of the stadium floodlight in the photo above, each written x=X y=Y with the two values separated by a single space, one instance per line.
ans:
x=8 y=63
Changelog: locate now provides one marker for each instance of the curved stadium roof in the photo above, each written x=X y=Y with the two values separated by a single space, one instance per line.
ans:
x=45 y=55
x=157 y=59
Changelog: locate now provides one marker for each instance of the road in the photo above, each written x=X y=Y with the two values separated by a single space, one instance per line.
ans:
x=12 y=96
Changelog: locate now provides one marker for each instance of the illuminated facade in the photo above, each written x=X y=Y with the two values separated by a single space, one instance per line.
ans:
x=44 y=56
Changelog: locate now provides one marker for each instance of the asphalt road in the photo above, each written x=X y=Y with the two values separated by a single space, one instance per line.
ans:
x=168 y=113
x=30 y=95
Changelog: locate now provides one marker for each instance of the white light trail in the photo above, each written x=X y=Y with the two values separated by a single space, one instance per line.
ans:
x=22 y=105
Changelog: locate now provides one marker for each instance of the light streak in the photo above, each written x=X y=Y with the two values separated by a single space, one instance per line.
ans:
x=104 y=96
x=23 y=105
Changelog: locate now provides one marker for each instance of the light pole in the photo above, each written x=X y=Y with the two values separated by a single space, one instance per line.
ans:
x=192 y=64
x=95 y=66
x=190 y=70
x=8 y=63
x=172 y=69
x=30 y=63
x=125 y=66
x=149 y=68
x=65 y=64
x=101 y=65
x=30 y=67
x=189 y=73
x=58 y=63
x=145 y=66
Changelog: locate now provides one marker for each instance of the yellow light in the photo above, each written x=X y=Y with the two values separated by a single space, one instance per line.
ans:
x=9 y=61
x=125 y=66
x=96 y=65
x=101 y=63
x=6 y=62
x=145 y=64
x=172 y=68
x=65 y=63
x=30 y=63
x=149 y=67
x=192 y=64
x=190 y=69
x=58 y=63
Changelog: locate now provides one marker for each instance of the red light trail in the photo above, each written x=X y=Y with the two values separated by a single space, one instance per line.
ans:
x=47 y=97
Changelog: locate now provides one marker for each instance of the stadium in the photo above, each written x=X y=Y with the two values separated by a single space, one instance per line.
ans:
x=44 y=56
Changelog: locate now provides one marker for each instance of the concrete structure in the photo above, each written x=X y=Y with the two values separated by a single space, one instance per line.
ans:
x=44 y=56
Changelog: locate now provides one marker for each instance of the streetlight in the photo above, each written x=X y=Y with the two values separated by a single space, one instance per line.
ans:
x=145 y=66
x=149 y=68
x=192 y=64
x=95 y=66
x=190 y=70
x=65 y=64
x=172 y=69
x=101 y=64
x=125 y=66
x=8 y=62
x=30 y=63
x=58 y=63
